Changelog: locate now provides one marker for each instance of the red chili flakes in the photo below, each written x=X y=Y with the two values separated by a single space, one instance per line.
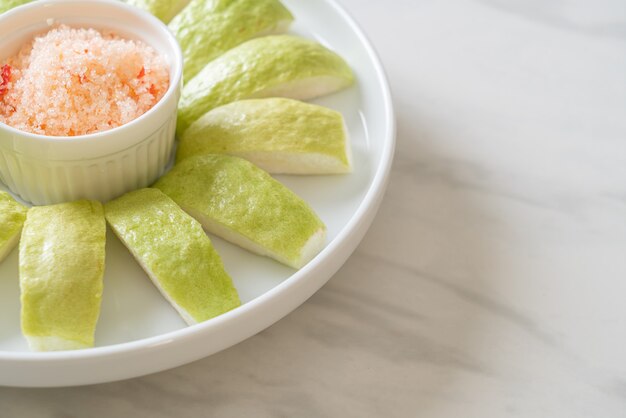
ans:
x=82 y=78
x=5 y=78
x=153 y=91
x=142 y=72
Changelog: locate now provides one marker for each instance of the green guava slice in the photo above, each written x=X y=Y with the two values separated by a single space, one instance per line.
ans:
x=165 y=10
x=241 y=203
x=205 y=29
x=6 y=5
x=271 y=66
x=281 y=136
x=175 y=252
x=61 y=268
x=12 y=217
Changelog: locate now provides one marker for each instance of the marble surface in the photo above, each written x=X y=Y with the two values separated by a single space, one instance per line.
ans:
x=492 y=281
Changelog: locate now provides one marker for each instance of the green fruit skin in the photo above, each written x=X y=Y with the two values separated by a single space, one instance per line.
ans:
x=164 y=10
x=61 y=269
x=254 y=66
x=12 y=217
x=173 y=246
x=244 y=199
x=267 y=126
x=205 y=29
x=6 y=5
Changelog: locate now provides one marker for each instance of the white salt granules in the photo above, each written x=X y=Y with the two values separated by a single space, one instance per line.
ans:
x=75 y=81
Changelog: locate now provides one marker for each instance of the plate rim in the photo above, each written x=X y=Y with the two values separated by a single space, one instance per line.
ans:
x=345 y=240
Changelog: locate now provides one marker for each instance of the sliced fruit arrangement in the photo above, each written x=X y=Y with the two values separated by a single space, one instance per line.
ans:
x=61 y=269
x=6 y=5
x=241 y=203
x=239 y=109
x=175 y=252
x=280 y=65
x=281 y=136
x=163 y=9
x=205 y=29
x=12 y=217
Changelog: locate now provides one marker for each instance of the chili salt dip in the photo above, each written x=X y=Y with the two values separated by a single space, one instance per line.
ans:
x=77 y=81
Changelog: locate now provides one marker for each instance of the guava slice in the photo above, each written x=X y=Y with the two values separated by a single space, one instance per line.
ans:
x=12 y=217
x=206 y=29
x=241 y=203
x=279 y=65
x=165 y=10
x=281 y=136
x=6 y=5
x=175 y=252
x=61 y=268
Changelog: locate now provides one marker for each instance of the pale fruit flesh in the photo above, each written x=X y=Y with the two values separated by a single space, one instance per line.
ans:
x=287 y=65
x=239 y=202
x=175 y=252
x=281 y=136
x=206 y=29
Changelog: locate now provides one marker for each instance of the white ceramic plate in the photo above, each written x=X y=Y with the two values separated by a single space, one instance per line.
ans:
x=140 y=333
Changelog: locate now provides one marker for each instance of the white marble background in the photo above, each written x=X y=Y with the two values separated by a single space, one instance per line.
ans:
x=493 y=282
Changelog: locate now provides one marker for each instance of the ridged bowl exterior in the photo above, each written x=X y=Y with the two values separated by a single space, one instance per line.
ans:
x=43 y=182
x=46 y=170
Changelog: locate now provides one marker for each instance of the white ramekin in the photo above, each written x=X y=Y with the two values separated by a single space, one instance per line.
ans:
x=46 y=170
